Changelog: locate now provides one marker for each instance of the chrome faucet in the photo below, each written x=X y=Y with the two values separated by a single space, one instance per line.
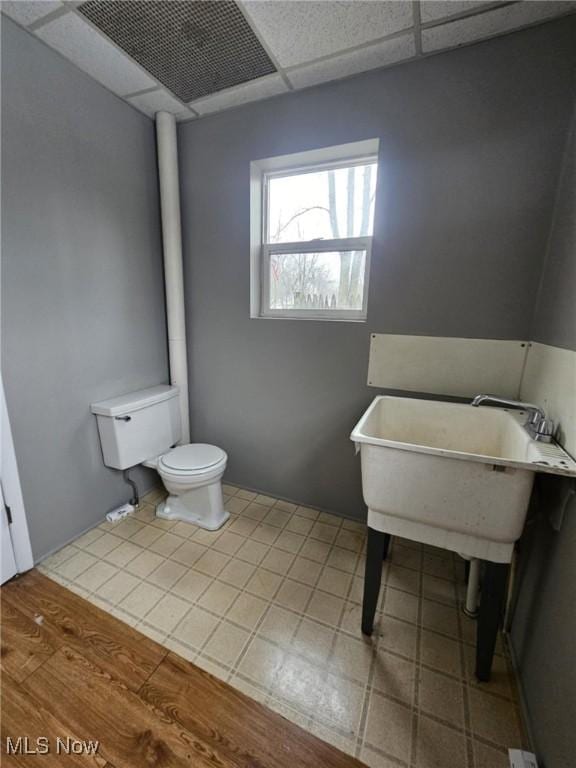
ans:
x=538 y=426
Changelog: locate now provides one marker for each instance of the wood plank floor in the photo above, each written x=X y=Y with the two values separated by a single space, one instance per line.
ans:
x=71 y=670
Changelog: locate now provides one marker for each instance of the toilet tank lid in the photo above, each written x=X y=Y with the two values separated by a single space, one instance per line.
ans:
x=134 y=401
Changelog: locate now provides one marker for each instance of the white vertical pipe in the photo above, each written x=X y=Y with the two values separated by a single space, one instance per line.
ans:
x=471 y=607
x=173 y=271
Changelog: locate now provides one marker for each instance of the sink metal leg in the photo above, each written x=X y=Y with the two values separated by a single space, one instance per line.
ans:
x=386 y=546
x=376 y=551
x=491 y=605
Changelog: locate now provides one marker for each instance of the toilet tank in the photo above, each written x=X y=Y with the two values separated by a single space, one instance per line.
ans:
x=138 y=426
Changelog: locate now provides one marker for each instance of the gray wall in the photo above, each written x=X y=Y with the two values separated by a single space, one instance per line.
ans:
x=82 y=290
x=555 y=316
x=471 y=145
x=544 y=627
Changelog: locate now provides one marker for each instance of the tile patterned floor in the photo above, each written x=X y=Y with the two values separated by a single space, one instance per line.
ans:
x=271 y=603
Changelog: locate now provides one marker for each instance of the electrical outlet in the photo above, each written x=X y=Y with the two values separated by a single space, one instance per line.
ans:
x=521 y=759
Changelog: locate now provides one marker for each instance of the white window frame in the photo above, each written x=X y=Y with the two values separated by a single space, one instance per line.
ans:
x=261 y=171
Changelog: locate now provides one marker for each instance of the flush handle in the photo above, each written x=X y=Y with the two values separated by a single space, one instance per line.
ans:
x=123 y=418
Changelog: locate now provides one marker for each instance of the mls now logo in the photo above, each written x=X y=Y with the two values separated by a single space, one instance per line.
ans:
x=70 y=746
x=22 y=745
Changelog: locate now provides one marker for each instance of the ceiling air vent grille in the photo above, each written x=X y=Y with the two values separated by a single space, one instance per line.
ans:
x=193 y=48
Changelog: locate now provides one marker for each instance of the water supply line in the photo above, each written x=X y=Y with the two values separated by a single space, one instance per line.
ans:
x=173 y=270
x=135 y=500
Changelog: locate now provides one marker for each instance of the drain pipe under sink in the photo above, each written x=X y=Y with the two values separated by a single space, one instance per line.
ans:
x=470 y=605
x=173 y=270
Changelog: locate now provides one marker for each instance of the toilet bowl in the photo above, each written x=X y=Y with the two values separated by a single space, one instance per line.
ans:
x=192 y=475
x=144 y=428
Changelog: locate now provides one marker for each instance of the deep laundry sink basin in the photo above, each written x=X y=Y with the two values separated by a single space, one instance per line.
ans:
x=451 y=475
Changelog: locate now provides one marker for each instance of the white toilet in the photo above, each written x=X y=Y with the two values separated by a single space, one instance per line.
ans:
x=144 y=428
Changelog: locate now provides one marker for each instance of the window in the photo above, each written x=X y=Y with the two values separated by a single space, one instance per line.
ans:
x=312 y=218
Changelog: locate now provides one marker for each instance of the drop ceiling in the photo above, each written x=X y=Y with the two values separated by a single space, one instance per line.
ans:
x=195 y=57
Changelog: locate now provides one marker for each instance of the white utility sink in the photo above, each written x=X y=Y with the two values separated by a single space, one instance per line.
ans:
x=451 y=475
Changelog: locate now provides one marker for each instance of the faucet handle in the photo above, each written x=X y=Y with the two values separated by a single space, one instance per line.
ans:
x=535 y=418
x=545 y=430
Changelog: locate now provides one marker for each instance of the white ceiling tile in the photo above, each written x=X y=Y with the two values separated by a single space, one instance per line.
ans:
x=92 y=52
x=378 y=55
x=241 y=94
x=26 y=13
x=431 y=10
x=491 y=23
x=299 y=31
x=160 y=100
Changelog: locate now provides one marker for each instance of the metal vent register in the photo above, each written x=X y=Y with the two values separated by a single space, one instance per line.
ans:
x=193 y=48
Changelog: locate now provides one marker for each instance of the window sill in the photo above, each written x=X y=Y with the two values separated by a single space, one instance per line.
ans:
x=322 y=319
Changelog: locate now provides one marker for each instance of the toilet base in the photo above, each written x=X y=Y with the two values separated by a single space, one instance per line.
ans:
x=194 y=507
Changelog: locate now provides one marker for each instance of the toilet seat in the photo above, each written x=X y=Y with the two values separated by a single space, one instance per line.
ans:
x=192 y=459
